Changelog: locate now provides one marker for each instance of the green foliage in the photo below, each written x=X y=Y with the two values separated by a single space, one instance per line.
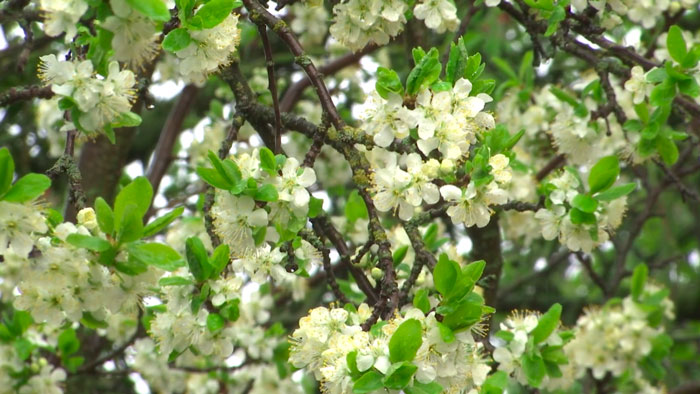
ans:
x=154 y=9
x=388 y=82
x=405 y=341
x=176 y=40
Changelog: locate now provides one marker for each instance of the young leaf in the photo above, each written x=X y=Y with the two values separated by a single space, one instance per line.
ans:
x=27 y=188
x=212 y=177
x=153 y=9
x=667 y=150
x=399 y=375
x=421 y=301
x=215 y=322
x=585 y=203
x=547 y=324
x=156 y=254
x=603 y=174
x=355 y=207
x=7 y=170
x=267 y=192
x=219 y=259
x=197 y=258
x=370 y=381
x=267 y=161
x=639 y=278
x=457 y=62
x=424 y=388
x=176 y=40
x=388 y=82
x=534 y=369
x=96 y=244
x=139 y=193
x=212 y=13
x=676 y=44
x=160 y=223
x=174 y=281
x=616 y=192
x=105 y=217
x=405 y=341
x=424 y=73
x=444 y=275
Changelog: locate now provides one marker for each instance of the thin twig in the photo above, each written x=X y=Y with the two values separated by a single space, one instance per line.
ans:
x=272 y=85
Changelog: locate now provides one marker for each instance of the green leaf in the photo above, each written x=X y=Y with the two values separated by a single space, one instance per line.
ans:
x=215 y=322
x=547 y=324
x=139 y=193
x=424 y=73
x=457 y=62
x=176 y=40
x=421 y=301
x=585 y=203
x=127 y=119
x=388 y=82
x=405 y=341
x=370 y=381
x=105 y=217
x=28 y=188
x=90 y=321
x=212 y=177
x=174 y=281
x=424 y=388
x=154 y=9
x=496 y=383
x=267 y=161
x=444 y=275
x=355 y=207
x=667 y=150
x=155 y=226
x=558 y=15
x=132 y=224
x=603 y=174
x=399 y=375
x=156 y=254
x=267 y=192
x=219 y=260
x=639 y=278
x=230 y=310
x=616 y=192
x=446 y=333
x=315 y=207
x=676 y=44
x=7 y=170
x=534 y=369
x=399 y=254
x=96 y=244
x=656 y=75
x=474 y=270
x=213 y=13
x=197 y=258
x=68 y=342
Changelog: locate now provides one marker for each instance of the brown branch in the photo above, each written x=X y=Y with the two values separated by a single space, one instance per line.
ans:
x=292 y=95
x=588 y=265
x=14 y=95
x=555 y=163
x=315 y=240
x=163 y=153
x=272 y=85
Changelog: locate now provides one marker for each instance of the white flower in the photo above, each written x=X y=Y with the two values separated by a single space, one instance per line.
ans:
x=234 y=220
x=359 y=22
x=439 y=15
x=387 y=119
x=61 y=16
x=18 y=223
x=47 y=381
x=209 y=49
x=499 y=168
x=550 y=221
x=468 y=210
x=292 y=184
x=391 y=186
x=134 y=34
x=493 y=3
x=263 y=262
x=638 y=85
x=87 y=218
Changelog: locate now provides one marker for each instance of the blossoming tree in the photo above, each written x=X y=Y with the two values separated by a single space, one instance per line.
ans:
x=353 y=196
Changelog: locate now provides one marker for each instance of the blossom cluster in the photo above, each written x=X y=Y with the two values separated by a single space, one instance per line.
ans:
x=100 y=100
x=332 y=344
x=557 y=221
x=615 y=339
x=208 y=49
x=359 y=22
